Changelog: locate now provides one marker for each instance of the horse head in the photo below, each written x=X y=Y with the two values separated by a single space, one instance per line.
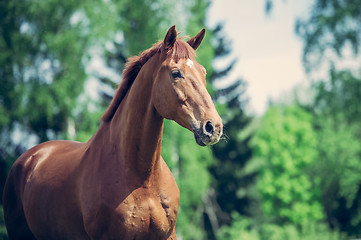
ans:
x=180 y=92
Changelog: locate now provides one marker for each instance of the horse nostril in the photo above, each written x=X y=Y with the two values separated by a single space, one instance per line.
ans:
x=209 y=127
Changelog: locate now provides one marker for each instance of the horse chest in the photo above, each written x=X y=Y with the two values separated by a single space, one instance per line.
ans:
x=141 y=214
x=150 y=215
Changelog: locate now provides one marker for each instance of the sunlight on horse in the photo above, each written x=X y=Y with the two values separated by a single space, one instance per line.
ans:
x=116 y=185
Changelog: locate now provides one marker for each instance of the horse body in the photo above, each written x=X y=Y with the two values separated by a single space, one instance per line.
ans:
x=116 y=185
x=41 y=193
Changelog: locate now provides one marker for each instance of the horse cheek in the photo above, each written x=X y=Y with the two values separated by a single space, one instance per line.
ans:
x=161 y=102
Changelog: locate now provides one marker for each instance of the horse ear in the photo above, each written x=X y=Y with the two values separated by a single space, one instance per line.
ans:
x=170 y=38
x=195 y=41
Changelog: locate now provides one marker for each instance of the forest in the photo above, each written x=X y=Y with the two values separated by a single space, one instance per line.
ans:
x=292 y=173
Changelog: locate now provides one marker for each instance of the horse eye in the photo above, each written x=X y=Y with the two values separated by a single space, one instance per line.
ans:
x=176 y=74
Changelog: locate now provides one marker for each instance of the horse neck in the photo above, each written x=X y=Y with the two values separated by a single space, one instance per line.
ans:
x=135 y=131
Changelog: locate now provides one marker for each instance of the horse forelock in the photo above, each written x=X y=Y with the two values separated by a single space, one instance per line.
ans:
x=180 y=50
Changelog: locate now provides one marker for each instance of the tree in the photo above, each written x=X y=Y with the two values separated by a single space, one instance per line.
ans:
x=285 y=146
x=246 y=228
x=336 y=112
x=44 y=47
x=229 y=190
x=338 y=168
x=333 y=26
x=338 y=97
x=39 y=70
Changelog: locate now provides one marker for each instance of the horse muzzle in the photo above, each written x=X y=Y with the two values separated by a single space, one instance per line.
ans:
x=208 y=133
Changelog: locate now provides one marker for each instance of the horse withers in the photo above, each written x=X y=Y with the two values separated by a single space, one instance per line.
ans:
x=117 y=185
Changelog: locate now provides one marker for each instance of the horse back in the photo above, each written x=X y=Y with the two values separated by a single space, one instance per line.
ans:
x=48 y=163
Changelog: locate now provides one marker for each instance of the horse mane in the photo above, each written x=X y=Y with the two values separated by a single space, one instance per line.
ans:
x=180 y=50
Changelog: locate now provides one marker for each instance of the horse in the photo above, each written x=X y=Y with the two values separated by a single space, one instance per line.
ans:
x=117 y=185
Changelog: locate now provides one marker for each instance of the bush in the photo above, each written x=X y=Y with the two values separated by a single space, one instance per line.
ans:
x=243 y=228
x=3 y=232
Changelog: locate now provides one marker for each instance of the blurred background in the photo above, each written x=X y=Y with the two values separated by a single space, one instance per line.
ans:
x=285 y=76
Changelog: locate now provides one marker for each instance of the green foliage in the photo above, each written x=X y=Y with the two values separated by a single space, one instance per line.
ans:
x=244 y=228
x=144 y=22
x=339 y=159
x=44 y=45
x=241 y=229
x=332 y=26
x=87 y=123
x=286 y=143
x=232 y=179
x=41 y=69
x=231 y=188
x=3 y=232
x=338 y=97
x=338 y=168
x=196 y=21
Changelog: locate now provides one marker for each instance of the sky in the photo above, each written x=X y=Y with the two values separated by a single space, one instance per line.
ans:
x=268 y=51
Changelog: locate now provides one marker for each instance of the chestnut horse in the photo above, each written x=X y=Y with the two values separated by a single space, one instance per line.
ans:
x=116 y=185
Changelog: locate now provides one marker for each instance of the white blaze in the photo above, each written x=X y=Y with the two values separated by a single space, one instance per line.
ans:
x=189 y=63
